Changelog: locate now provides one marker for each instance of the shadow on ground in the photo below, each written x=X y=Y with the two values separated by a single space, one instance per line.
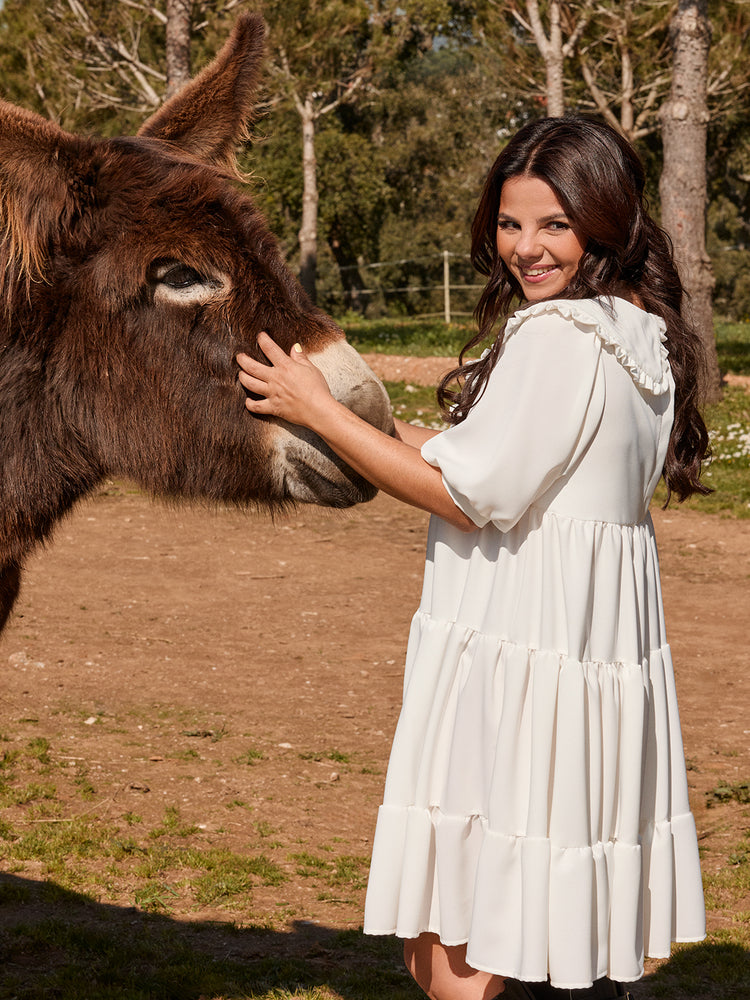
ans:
x=59 y=945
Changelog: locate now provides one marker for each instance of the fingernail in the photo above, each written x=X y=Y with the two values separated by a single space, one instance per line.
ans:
x=297 y=348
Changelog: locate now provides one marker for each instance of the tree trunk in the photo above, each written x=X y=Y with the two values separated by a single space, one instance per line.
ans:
x=308 y=234
x=178 y=44
x=346 y=260
x=553 y=59
x=551 y=50
x=684 y=119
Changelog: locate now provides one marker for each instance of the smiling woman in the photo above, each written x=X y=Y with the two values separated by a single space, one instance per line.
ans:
x=536 y=822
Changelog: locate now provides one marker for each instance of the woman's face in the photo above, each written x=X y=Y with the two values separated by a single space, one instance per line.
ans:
x=535 y=238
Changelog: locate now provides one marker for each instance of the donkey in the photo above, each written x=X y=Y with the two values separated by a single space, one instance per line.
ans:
x=132 y=272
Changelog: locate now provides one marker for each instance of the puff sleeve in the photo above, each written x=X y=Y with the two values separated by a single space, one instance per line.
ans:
x=538 y=412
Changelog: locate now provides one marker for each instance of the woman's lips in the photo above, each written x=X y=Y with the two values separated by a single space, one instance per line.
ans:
x=536 y=274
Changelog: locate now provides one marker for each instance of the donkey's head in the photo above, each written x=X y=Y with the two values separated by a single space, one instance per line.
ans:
x=132 y=272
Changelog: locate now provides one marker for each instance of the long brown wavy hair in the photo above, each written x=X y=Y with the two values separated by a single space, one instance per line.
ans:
x=598 y=179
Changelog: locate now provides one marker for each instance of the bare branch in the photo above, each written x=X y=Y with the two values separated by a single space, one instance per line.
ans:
x=147 y=9
x=578 y=29
x=537 y=28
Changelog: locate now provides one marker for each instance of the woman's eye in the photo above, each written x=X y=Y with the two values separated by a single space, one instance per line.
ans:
x=558 y=227
x=506 y=224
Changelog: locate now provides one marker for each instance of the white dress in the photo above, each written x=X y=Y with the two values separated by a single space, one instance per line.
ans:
x=536 y=803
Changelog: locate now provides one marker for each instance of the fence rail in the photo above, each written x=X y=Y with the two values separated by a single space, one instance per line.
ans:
x=443 y=282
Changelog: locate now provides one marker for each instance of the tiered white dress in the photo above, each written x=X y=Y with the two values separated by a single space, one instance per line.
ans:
x=536 y=803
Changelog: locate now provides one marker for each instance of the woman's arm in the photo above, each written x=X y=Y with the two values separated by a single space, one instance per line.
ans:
x=294 y=389
x=413 y=435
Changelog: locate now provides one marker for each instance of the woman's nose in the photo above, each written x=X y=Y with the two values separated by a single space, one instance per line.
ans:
x=527 y=244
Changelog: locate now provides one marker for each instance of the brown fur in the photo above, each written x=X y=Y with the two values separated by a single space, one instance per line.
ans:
x=98 y=377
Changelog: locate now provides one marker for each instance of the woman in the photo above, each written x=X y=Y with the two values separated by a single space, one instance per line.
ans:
x=536 y=822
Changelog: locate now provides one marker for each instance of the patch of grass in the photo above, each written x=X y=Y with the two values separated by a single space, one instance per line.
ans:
x=416 y=404
x=250 y=757
x=308 y=864
x=733 y=346
x=213 y=734
x=728 y=792
x=173 y=826
x=334 y=755
x=55 y=844
x=8 y=759
x=345 y=870
x=85 y=787
x=32 y=792
x=90 y=955
x=210 y=889
x=728 y=472
x=155 y=897
x=38 y=749
x=6 y=831
x=715 y=969
x=428 y=337
x=238 y=804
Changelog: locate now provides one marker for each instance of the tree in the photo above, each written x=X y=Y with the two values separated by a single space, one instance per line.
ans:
x=624 y=62
x=102 y=64
x=684 y=120
x=553 y=28
x=326 y=58
x=321 y=58
x=178 y=31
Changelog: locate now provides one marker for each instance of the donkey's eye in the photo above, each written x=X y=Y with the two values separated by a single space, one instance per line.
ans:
x=182 y=276
x=179 y=283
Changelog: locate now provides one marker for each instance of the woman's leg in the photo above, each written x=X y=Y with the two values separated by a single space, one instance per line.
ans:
x=443 y=974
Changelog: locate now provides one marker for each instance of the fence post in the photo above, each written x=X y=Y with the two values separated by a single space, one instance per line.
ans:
x=447 y=285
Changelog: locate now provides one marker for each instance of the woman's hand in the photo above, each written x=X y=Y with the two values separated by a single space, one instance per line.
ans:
x=291 y=387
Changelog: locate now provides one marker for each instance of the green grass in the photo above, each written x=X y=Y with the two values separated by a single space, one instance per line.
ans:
x=728 y=472
x=729 y=792
x=733 y=346
x=90 y=954
x=414 y=337
x=416 y=404
x=341 y=872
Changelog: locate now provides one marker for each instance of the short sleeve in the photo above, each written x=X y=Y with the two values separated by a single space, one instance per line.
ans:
x=538 y=412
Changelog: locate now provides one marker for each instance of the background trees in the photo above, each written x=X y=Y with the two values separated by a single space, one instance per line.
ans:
x=381 y=117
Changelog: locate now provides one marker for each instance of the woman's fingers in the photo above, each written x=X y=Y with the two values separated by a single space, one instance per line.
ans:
x=275 y=354
x=252 y=383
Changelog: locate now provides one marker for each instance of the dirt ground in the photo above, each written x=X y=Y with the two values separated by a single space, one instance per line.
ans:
x=248 y=672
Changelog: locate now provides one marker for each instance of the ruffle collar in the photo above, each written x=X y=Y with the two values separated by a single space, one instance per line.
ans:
x=636 y=338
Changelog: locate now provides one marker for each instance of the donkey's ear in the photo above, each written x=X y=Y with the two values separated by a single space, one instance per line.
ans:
x=45 y=180
x=209 y=116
